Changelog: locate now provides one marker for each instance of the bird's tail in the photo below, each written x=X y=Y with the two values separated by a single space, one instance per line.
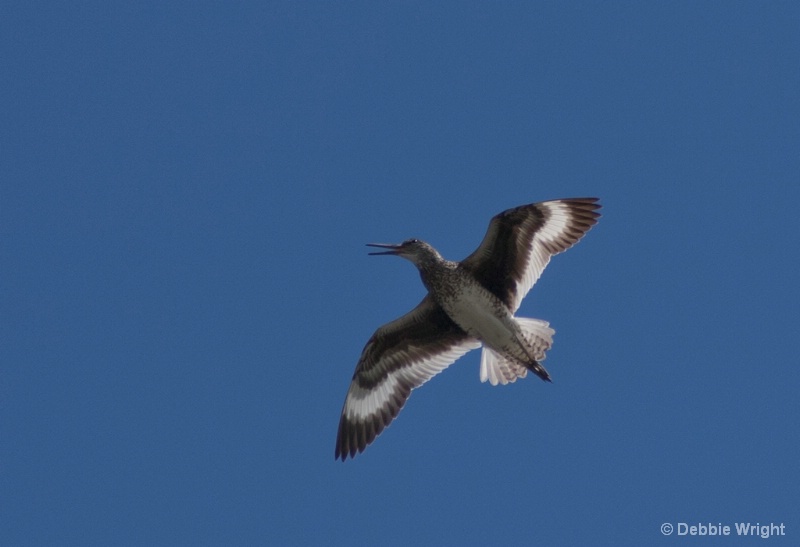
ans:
x=499 y=369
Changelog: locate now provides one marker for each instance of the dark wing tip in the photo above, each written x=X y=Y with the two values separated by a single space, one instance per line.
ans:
x=349 y=440
x=584 y=212
x=355 y=435
x=587 y=206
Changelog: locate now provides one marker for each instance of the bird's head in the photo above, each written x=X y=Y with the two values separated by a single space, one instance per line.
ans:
x=415 y=250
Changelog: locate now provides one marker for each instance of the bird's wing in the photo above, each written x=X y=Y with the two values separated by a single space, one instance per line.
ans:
x=520 y=241
x=400 y=356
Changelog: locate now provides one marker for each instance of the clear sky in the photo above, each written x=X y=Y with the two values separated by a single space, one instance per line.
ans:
x=185 y=194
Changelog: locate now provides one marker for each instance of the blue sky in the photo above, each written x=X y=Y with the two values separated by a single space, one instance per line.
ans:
x=185 y=195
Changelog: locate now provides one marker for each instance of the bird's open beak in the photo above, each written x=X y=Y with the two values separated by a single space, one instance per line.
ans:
x=393 y=251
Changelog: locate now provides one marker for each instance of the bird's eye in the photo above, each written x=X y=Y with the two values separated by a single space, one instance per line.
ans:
x=413 y=241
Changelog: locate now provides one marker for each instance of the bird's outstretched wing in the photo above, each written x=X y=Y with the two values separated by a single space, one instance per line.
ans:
x=520 y=241
x=400 y=356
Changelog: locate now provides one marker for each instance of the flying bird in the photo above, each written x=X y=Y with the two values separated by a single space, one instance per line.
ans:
x=469 y=304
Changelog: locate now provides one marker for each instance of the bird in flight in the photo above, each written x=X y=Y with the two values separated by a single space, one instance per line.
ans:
x=469 y=304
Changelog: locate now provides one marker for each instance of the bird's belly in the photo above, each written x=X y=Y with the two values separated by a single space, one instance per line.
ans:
x=484 y=318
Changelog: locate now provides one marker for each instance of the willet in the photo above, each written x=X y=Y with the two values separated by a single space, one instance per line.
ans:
x=469 y=304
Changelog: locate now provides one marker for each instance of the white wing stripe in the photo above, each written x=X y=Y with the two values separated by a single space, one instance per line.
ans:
x=362 y=403
x=559 y=224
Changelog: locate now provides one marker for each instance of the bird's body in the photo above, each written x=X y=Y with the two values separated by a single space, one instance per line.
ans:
x=478 y=312
x=469 y=304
